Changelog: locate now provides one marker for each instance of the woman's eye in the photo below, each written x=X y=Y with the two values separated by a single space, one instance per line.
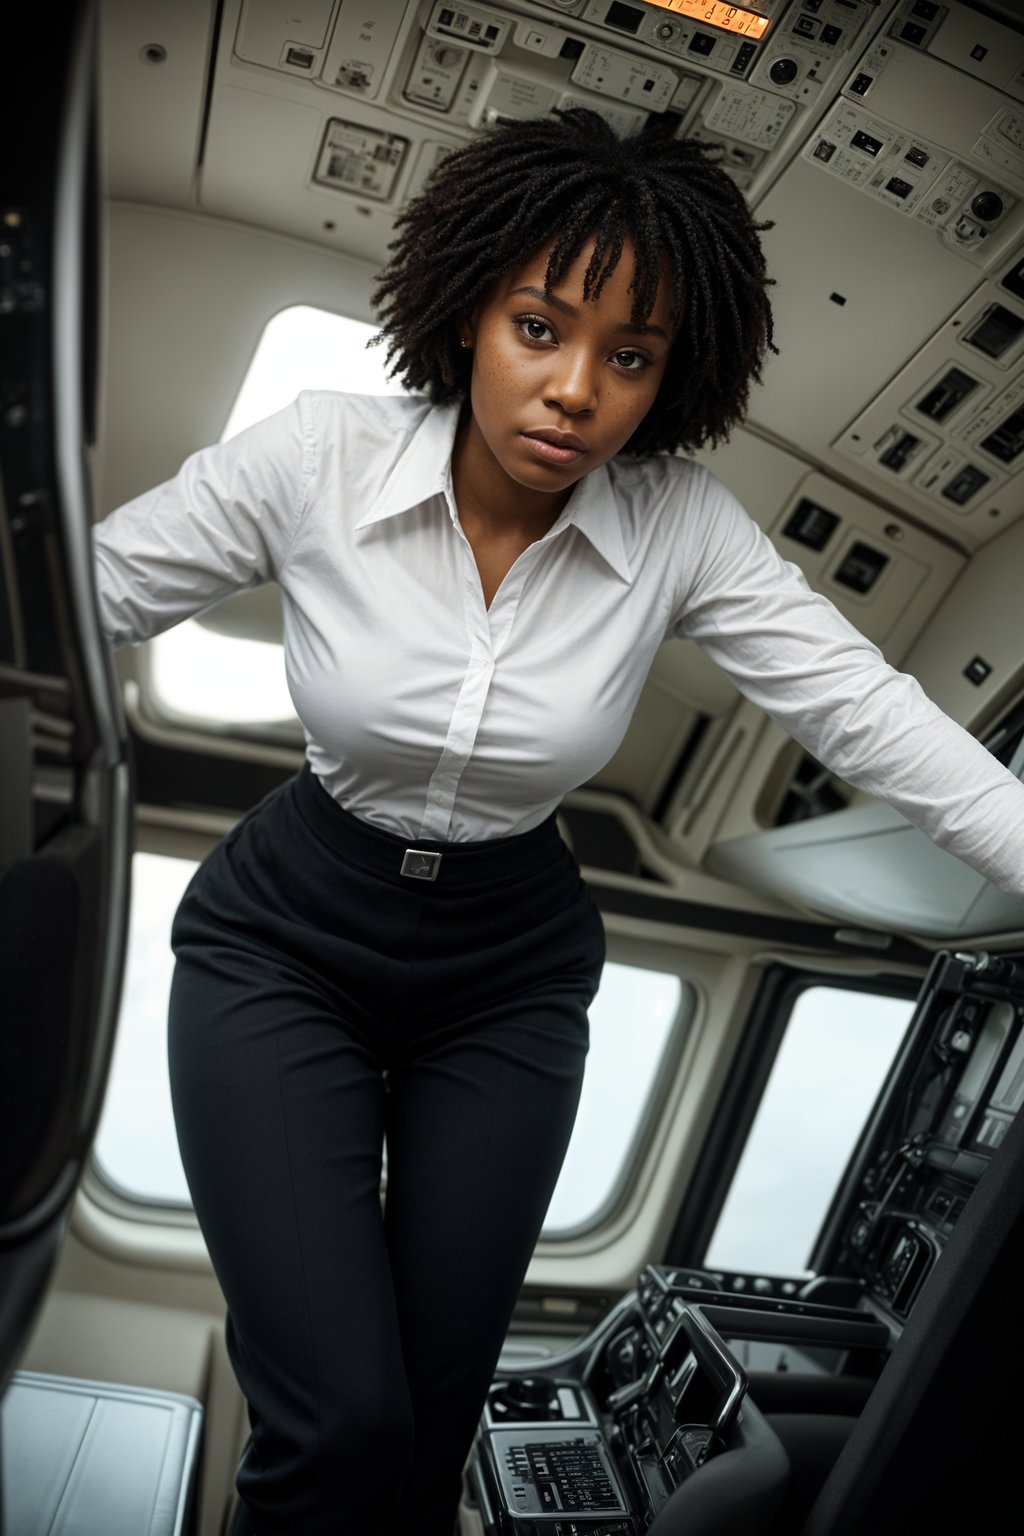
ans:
x=633 y=362
x=533 y=328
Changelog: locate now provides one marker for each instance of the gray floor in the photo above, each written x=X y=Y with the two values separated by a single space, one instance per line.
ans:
x=470 y=1523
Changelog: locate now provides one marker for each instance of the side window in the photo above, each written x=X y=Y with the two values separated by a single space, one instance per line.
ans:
x=196 y=674
x=637 y=1021
x=837 y=1048
x=136 y=1150
x=305 y=348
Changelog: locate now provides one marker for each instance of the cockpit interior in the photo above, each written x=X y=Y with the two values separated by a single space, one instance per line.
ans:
x=775 y=1294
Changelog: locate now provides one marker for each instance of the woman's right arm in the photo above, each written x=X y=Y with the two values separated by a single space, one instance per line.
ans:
x=223 y=523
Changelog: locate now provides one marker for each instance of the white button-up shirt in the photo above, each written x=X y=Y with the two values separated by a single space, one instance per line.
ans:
x=430 y=715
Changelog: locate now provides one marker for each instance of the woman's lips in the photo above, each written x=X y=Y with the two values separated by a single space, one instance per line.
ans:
x=553 y=453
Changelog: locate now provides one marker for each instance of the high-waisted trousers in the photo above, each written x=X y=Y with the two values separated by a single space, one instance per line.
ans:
x=323 y=1003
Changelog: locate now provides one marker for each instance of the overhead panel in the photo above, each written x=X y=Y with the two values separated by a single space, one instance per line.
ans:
x=153 y=62
x=907 y=295
x=933 y=143
x=361 y=43
x=344 y=45
x=949 y=429
x=976 y=43
x=344 y=74
x=283 y=31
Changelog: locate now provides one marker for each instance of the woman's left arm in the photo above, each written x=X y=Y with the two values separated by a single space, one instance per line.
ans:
x=792 y=653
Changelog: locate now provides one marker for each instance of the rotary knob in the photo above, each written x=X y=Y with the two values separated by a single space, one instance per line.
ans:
x=528 y=1392
x=987 y=205
x=783 y=71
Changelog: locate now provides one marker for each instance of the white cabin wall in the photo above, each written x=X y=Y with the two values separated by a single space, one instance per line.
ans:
x=982 y=615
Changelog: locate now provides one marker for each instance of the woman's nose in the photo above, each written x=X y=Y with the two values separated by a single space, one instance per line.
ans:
x=572 y=383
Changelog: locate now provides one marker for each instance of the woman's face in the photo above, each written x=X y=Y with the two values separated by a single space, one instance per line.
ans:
x=559 y=385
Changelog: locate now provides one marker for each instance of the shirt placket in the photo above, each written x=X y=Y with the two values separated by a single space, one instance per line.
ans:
x=488 y=631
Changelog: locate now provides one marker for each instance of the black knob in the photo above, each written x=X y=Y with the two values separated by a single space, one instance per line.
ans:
x=783 y=71
x=529 y=1391
x=987 y=206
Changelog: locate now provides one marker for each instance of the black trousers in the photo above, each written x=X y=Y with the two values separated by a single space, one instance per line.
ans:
x=321 y=1003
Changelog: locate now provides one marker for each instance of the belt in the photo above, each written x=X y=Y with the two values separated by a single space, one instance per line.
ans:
x=387 y=855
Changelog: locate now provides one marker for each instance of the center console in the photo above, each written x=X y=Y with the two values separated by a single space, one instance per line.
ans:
x=615 y=1434
x=603 y=1444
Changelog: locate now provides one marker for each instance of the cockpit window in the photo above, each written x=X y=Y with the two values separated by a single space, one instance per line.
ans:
x=637 y=1020
x=306 y=348
x=837 y=1048
x=197 y=676
x=136 y=1150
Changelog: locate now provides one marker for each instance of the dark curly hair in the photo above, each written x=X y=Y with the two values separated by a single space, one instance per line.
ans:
x=566 y=178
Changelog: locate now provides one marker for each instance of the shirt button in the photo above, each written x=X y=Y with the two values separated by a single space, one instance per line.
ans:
x=485 y=664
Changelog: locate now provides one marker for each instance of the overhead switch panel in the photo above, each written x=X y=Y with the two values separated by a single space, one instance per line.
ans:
x=435 y=74
x=512 y=93
x=269 y=27
x=624 y=76
x=362 y=160
x=468 y=24
x=361 y=45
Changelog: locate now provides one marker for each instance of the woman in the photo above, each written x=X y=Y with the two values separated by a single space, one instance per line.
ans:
x=396 y=943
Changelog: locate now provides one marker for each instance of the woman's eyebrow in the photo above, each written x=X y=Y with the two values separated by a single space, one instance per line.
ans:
x=568 y=309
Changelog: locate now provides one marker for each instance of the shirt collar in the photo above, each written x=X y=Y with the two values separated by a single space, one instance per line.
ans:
x=424 y=470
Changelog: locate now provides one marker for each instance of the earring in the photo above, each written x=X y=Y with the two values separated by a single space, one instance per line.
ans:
x=464 y=342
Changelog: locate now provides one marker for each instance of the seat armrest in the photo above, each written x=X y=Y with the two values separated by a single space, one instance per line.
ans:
x=82 y=1457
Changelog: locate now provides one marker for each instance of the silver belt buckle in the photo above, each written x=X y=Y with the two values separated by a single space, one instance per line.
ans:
x=418 y=864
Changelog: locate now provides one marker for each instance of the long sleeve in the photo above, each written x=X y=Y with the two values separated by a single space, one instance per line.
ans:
x=223 y=523
x=792 y=653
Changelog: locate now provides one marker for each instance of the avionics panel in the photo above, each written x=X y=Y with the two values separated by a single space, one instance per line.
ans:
x=729 y=18
x=943 y=1113
x=349 y=108
x=991 y=1125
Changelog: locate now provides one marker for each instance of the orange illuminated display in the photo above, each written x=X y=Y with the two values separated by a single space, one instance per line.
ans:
x=728 y=18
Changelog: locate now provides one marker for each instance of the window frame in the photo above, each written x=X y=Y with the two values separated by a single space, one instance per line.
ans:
x=743 y=1092
x=177 y=835
x=679 y=1031
x=150 y=713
